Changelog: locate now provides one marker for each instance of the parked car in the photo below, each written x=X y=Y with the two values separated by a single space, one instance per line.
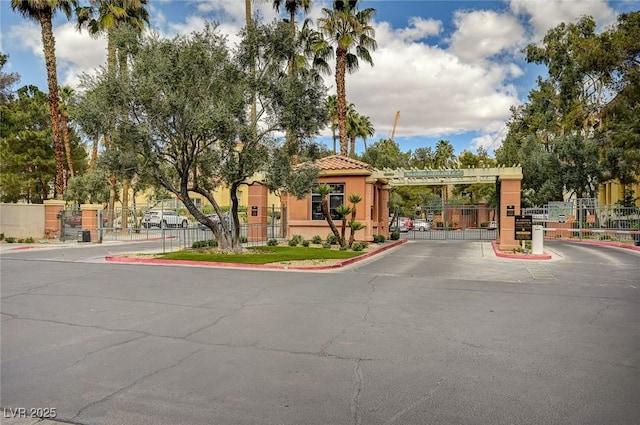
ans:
x=421 y=225
x=492 y=225
x=164 y=219
x=76 y=220
x=400 y=225
x=216 y=219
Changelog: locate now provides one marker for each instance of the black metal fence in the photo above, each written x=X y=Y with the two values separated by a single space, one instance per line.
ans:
x=586 y=219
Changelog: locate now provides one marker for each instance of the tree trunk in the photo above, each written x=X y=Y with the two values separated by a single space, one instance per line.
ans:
x=352 y=146
x=94 y=152
x=327 y=216
x=341 y=69
x=113 y=185
x=126 y=184
x=67 y=143
x=235 y=242
x=48 y=43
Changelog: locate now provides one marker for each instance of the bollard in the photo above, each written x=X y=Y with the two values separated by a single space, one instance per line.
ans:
x=537 y=239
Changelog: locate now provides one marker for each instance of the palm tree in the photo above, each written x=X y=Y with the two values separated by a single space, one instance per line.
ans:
x=366 y=129
x=332 y=110
x=113 y=15
x=292 y=6
x=110 y=15
x=66 y=101
x=445 y=155
x=354 y=225
x=42 y=11
x=353 y=127
x=348 y=30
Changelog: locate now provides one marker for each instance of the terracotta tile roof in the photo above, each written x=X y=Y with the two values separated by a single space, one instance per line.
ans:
x=339 y=162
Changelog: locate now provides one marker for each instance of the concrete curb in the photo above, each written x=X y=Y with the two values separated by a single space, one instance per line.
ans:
x=349 y=261
x=599 y=243
x=501 y=254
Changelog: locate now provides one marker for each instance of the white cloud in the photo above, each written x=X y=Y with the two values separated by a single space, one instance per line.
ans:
x=484 y=34
x=76 y=52
x=420 y=28
x=436 y=92
x=546 y=14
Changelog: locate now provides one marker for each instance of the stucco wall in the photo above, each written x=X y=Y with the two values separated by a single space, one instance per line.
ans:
x=22 y=220
x=299 y=211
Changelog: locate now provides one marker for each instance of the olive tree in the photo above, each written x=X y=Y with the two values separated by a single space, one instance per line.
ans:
x=186 y=115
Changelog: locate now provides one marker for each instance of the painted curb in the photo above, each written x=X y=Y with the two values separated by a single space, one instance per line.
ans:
x=349 y=261
x=501 y=254
x=598 y=243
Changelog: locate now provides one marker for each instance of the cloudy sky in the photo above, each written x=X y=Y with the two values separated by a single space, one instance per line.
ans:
x=452 y=68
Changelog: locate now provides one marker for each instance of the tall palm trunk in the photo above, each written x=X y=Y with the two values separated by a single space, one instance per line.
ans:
x=352 y=146
x=341 y=68
x=49 y=48
x=64 y=122
x=126 y=182
x=113 y=180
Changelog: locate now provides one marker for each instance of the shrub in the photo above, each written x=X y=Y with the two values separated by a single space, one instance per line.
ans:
x=293 y=242
x=298 y=238
x=326 y=245
x=606 y=237
x=344 y=248
x=1 y=236
x=331 y=239
x=272 y=242
x=358 y=246
x=29 y=240
x=378 y=238
x=395 y=236
x=204 y=244
x=20 y=240
x=316 y=240
x=305 y=243
x=243 y=239
x=10 y=239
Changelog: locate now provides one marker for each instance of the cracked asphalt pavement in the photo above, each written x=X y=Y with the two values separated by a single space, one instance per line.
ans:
x=431 y=332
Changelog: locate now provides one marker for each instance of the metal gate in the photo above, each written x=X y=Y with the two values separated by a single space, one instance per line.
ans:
x=453 y=221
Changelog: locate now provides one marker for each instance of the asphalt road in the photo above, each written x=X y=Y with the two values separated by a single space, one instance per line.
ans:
x=432 y=332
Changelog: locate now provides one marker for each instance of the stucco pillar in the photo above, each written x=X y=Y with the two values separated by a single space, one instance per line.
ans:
x=510 y=190
x=383 y=208
x=52 y=218
x=369 y=212
x=90 y=220
x=257 y=212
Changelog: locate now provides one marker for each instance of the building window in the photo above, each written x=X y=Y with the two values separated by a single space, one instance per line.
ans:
x=336 y=198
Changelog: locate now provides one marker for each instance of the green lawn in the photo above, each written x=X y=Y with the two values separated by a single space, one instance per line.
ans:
x=263 y=255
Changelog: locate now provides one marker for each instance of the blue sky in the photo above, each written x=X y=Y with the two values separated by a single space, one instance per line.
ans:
x=452 y=68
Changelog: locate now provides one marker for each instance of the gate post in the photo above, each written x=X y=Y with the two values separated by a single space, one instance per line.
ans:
x=53 y=209
x=90 y=220
x=257 y=213
x=510 y=188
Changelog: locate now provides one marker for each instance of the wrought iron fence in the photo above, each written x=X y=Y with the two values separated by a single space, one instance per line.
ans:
x=588 y=220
